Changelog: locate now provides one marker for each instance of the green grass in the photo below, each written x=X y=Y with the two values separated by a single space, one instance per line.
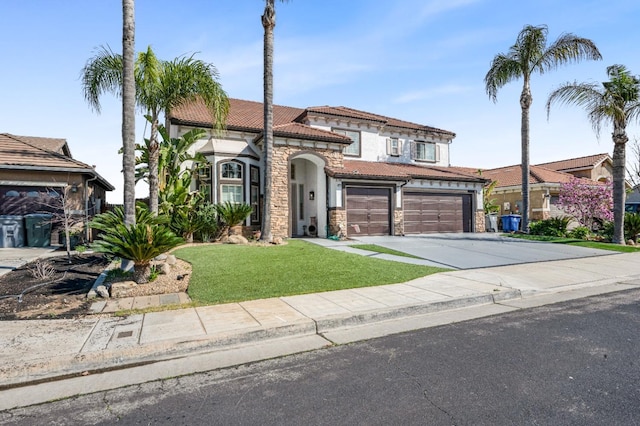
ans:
x=606 y=246
x=580 y=243
x=379 y=249
x=224 y=273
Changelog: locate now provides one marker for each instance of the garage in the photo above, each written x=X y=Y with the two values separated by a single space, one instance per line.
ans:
x=368 y=211
x=426 y=213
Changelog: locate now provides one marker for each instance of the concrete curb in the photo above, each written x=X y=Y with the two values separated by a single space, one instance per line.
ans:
x=65 y=366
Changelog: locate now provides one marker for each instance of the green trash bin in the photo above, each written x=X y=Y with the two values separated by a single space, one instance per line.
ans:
x=38 y=227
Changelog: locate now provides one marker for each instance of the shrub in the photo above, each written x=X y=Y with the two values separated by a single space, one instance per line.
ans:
x=230 y=214
x=632 y=226
x=606 y=231
x=580 y=232
x=140 y=243
x=552 y=227
x=207 y=222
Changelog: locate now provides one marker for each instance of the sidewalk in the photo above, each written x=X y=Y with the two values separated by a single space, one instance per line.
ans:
x=48 y=359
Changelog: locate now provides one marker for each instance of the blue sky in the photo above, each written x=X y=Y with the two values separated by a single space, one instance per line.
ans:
x=418 y=60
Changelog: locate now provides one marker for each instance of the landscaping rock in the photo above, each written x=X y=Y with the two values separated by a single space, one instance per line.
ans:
x=102 y=291
x=277 y=241
x=171 y=259
x=237 y=239
x=120 y=289
x=164 y=268
x=161 y=257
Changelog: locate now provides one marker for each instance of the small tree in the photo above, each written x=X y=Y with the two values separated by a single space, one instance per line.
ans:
x=586 y=201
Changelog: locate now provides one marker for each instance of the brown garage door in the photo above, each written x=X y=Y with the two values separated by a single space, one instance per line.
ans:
x=368 y=211
x=426 y=213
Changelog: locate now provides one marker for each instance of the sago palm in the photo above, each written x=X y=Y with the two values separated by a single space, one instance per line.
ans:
x=530 y=54
x=616 y=101
x=139 y=242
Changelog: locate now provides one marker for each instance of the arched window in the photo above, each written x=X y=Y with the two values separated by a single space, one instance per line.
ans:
x=231 y=182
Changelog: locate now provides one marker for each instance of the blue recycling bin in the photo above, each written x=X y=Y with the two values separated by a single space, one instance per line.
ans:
x=510 y=222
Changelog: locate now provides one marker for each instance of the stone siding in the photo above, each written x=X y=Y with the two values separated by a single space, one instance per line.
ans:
x=398 y=222
x=480 y=221
x=280 y=184
x=338 y=222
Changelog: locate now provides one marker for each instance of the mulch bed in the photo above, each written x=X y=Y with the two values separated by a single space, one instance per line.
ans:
x=63 y=294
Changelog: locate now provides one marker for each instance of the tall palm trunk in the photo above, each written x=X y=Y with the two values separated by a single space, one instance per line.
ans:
x=525 y=103
x=154 y=154
x=619 y=159
x=128 y=111
x=268 y=22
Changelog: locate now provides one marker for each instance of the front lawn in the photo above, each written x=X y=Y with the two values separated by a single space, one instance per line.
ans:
x=224 y=273
x=580 y=243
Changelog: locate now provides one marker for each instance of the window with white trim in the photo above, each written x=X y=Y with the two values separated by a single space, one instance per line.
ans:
x=394 y=147
x=354 y=148
x=425 y=151
x=231 y=185
x=231 y=193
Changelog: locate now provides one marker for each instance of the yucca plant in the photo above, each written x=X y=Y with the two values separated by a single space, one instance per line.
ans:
x=231 y=214
x=632 y=226
x=140 y=243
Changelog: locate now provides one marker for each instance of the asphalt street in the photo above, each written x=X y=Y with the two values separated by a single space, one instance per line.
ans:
x=571 y=363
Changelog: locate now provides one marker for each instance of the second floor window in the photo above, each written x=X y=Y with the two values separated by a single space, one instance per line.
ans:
x=425 y=151
x=354 y=148
x=231 y=171
x=230 y=184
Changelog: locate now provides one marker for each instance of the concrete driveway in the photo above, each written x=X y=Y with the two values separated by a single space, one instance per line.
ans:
x=482 y=250
x=12 y=258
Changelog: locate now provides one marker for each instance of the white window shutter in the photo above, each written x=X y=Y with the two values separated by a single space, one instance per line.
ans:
x=413 y=150
x=399 y=147
x=437 y=153
x=389 y=146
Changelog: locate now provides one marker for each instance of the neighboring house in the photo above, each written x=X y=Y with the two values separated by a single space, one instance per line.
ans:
x=35 y=172
x=336 y=171
x=544 y=190
x=632 y=203
x=544 y=183
x=597 y=167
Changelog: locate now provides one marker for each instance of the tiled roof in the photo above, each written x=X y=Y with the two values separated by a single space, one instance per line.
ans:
x=249 y=116
x=367 y=116
x=379 y=170
x=50 y=144
x=298 y=130
x=589 y=161
x=243 y=115
x=512 y=175
x=20 y=153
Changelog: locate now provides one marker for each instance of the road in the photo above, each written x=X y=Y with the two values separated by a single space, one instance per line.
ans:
x=573 y=363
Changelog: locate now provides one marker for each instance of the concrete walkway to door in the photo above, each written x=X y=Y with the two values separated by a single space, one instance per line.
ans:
x=467 y=250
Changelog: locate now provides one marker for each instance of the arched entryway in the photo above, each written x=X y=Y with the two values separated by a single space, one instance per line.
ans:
x=307 y=196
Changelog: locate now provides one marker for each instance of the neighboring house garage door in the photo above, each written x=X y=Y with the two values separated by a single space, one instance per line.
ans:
x=426 y=213
x=368 y=211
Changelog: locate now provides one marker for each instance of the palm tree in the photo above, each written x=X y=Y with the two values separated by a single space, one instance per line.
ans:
x=530 y=54
x=616 y=101
x=128 y=111
x=269 y=23
x=160 y=87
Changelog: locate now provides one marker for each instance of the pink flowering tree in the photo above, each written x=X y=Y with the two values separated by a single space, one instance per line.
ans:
x=587 y=201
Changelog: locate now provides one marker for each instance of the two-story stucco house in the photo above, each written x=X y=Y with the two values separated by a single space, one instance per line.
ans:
x=336 y=171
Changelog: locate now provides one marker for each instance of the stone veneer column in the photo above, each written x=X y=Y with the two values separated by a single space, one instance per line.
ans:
x=338 y=222
x=480 y=221
x=281 y=182
x=398 y=222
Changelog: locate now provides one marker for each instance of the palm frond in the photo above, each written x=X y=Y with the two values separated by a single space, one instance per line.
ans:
x=101 y=74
